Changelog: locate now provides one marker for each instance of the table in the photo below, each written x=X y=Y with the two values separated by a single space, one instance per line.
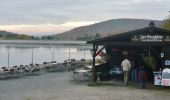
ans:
x=82 y=74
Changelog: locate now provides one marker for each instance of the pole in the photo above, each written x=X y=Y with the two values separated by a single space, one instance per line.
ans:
x=93 y=67
x=8 y=57
x=52 y=54
x=32 y=56
x=84 y=54
x=69 y=54
x=149 y=51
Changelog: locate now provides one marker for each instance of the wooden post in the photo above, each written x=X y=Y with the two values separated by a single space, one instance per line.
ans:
x=94 y=76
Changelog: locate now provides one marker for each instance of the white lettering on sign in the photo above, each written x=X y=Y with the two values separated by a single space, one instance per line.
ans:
x=154 y=38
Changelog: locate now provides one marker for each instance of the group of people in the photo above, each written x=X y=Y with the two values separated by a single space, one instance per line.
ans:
x=135 y=75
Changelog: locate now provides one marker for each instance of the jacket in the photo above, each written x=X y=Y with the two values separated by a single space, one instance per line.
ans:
x=126 y=65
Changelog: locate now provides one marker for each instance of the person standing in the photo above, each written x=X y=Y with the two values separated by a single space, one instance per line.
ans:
x=142 y=77
x=126 y=67
x=133 y=72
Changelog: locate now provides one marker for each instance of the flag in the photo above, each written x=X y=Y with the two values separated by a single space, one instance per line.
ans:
x=101 y=54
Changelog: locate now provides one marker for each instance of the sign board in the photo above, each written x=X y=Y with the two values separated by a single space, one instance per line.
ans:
x=148 y=38
x=155 y=38
x=151 y=38
x=165 y=77
x=157 y=78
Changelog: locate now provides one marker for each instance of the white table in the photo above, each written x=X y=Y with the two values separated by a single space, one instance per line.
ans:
x=82 y=74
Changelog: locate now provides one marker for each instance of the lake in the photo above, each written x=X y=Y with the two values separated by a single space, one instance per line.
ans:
x=23 y=54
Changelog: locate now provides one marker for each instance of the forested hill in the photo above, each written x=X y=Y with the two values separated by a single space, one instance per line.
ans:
x=4 y=35
x=105 y=28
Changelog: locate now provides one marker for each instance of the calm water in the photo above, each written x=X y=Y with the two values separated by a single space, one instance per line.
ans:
x=22 y=54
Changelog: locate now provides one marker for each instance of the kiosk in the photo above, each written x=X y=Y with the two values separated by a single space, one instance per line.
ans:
x=149 y=46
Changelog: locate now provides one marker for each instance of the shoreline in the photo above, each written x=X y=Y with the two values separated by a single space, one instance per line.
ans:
x=44 y=42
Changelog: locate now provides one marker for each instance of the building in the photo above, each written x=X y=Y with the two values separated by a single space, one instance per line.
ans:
x=137 y=45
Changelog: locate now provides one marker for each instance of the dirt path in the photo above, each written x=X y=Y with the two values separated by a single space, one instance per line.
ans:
x=57 y=86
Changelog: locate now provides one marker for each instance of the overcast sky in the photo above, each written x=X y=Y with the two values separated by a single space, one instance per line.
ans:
x=55 y=16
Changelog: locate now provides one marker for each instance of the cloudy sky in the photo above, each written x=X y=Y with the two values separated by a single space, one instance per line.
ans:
x=45 y=17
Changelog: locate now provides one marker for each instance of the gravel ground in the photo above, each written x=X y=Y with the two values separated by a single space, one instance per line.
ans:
x=57 y=86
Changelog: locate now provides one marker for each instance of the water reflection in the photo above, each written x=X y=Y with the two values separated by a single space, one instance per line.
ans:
x=24 y=54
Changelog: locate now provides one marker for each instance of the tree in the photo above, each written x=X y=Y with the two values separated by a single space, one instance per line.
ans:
x=97 y=36
x=48 y=37
x=166 y=23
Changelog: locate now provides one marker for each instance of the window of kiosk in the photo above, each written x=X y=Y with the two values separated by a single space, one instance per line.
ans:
x=167 y=62
x=166 y=57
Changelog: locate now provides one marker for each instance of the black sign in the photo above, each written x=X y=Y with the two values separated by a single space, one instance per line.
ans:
x=150 y=38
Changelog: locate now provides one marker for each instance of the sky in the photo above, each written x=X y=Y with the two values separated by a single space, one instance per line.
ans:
x=45 y=17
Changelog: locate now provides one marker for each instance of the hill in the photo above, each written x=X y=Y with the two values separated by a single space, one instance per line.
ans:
x=4 y=35
x=105 y=28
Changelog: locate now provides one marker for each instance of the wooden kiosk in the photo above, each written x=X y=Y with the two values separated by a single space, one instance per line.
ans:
x=136 y=44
